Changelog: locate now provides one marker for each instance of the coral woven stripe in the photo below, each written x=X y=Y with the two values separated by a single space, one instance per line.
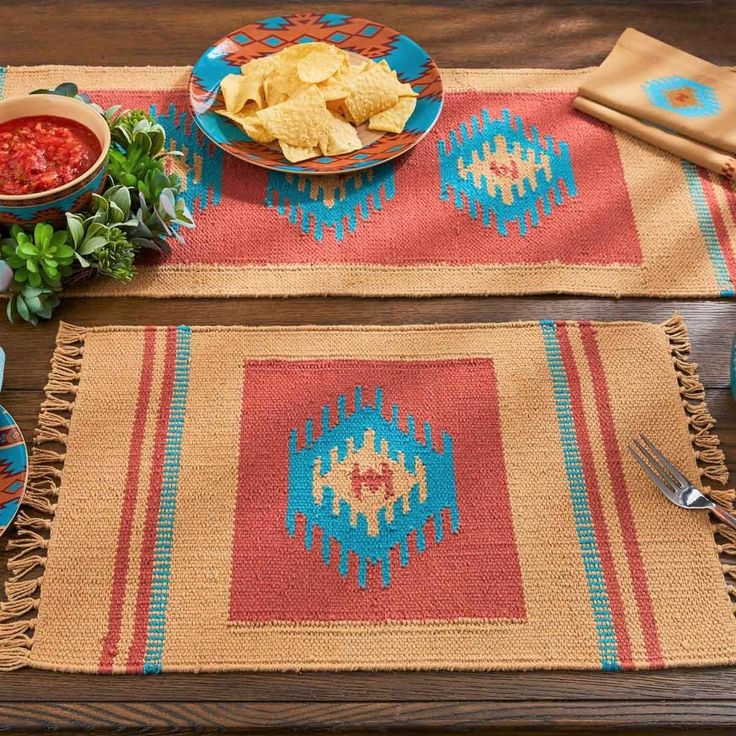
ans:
x=122 y=554
x=719 y=224
x=504 y=196
x=417 y=497
x=145 y=586
x=588 y=334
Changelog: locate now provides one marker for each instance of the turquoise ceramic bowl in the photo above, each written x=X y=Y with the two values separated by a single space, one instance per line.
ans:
x=74 y=196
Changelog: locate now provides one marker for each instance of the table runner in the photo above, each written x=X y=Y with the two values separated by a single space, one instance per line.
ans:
x=513 y=192
x=367 y=497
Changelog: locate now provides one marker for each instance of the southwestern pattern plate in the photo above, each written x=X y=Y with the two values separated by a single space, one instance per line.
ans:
x=357 y=36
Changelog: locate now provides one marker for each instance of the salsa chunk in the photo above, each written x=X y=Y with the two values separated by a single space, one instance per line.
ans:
x=41 y=152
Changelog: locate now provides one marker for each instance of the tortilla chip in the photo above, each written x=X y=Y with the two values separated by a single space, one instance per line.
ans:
x=320 y=65
x=395 y=118
x=297 y=153
x=249 y=123
x=256 y=130
x=237 y=90
x=333 y=90
x=259 y=67
x=348 y=74
x=302 y=121
x=372 y=91
x=296 y=52
x=343 y=138
x=281 y=84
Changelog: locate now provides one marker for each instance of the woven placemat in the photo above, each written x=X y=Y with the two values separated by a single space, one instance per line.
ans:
x=367 y=497
x=513 y=192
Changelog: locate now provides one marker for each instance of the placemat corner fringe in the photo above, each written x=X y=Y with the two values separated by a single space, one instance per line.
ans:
x=32 y=526
x=706 y=444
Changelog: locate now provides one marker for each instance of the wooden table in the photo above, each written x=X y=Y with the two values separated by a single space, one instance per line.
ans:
x=472 y=33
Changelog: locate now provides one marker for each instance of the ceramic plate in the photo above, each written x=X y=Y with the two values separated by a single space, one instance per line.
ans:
x=13 y=469
x=359 y=37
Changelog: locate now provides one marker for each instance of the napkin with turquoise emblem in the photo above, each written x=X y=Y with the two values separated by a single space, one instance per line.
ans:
x=667 y=97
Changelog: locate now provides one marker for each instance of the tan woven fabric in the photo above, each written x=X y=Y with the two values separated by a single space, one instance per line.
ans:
x=367 y=497
x=513 y=192
x=666 y=97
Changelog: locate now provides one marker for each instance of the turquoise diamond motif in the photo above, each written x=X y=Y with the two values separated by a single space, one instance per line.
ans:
x=275 y=23
x=369 y=486
x=500 y=173
x=337 y=204
x=273 y=41
x=683 y=96
x=200 y=166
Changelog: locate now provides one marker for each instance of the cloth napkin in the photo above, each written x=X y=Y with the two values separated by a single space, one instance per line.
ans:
x=667 y=97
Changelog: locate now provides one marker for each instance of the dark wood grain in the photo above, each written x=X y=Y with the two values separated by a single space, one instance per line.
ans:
x=557 y=715
x=469 y=33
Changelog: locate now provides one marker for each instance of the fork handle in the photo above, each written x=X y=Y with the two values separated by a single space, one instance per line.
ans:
x=725 y=517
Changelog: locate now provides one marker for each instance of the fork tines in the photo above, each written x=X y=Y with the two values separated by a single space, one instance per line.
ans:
x=660 y=470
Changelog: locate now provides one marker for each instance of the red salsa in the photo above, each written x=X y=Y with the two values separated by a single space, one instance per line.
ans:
x=41 y=152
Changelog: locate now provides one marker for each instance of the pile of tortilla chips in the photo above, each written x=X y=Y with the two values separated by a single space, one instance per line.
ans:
x=308 y=98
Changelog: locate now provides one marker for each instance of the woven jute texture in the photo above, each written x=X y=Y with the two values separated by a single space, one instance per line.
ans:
x=513 y=192
x=367 y=497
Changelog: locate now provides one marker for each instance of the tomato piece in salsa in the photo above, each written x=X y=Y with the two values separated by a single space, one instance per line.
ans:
x=41 y=152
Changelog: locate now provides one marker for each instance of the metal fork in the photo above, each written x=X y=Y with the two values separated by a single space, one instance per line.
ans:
x=673 y=484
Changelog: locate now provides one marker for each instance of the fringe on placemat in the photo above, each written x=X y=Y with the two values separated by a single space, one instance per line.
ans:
x=710 y=458
x=32 y=526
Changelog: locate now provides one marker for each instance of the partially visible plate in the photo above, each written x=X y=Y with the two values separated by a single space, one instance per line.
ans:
x=13 y=469
x=358 y=36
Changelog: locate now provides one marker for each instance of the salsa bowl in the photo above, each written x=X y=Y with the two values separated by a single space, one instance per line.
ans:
x=74 y=196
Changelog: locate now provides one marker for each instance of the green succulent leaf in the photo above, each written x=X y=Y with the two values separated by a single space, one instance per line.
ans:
x=27 y=250
x=120 y=197
x=22 y=308
x=58 y=238
x=65 y=253
x=14 y=261
x=115 y=214
x=99 y=203
x=90 y=245
x=75 y=227
x=33 y=303
x=42 y=234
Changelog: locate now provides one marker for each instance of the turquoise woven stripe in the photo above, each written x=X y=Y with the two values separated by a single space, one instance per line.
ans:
x=708 y=229
x=3 y=72
x=606 y=635
x=167 y=511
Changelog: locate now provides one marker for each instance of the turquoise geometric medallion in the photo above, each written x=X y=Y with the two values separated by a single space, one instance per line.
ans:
x=499 y=173
x=683 y=96
x=368 y=486
x=336 y=203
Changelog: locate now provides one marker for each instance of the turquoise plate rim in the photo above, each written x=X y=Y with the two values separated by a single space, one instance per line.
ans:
x=4 y=413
